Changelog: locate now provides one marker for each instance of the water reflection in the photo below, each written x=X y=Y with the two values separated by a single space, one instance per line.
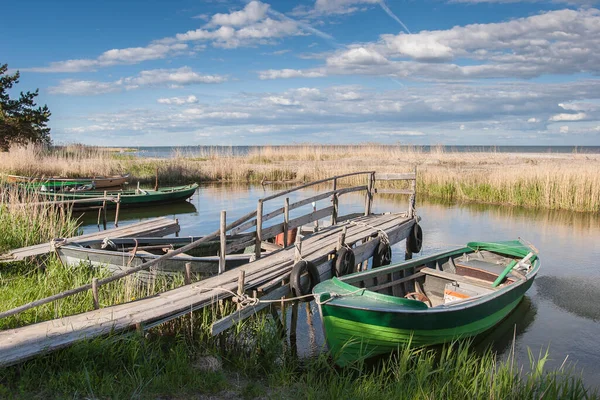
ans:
x=576 y=295
x=559 y=305
x=500 y=337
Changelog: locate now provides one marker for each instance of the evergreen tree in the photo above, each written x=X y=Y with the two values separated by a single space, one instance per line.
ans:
x=21 y=122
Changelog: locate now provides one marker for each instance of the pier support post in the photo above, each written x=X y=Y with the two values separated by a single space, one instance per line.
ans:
x=241 y=283
x=95 y=293
x=286 y=221
x=188 y=273
x=223 y=240
x=335 y=201
x=298 y=249
x=258 y=242
x=408 y=287
x=369 y=194
x=104 y=211
x=413 y=196
x=293 y=328
x=342 y=238
x=117 y=210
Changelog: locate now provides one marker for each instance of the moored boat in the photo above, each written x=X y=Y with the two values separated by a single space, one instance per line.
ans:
x=128 y=198
x=450 y=295
x=98 y=181
x=120 y=254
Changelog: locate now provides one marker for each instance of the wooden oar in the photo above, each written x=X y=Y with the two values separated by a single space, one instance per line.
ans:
x=509 y=268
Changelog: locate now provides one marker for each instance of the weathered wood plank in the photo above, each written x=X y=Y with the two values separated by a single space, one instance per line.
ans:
x=155 y=227
x=394 y=191
x=395 y=176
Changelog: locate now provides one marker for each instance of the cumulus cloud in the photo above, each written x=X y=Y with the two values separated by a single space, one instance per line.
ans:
x=554 y=42
x=568 y=117
x=427 y=112
x=158 y=77
x=131 y=55
x=247 y=27
x=178 y=100
x=289 y=73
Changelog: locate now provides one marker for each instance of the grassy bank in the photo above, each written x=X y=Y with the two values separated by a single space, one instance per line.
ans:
x=552 y=181
x=181 y=360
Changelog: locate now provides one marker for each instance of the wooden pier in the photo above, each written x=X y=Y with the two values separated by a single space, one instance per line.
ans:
x=268 y=276
x=153 y=227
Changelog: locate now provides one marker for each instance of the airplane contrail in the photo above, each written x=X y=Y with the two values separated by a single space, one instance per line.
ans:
x=391 y=14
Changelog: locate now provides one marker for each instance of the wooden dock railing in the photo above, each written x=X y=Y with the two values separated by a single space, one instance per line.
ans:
x=256 y=219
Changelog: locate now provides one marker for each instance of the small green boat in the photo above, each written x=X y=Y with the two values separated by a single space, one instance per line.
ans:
x=128 y=198
x=56 y=186
x=436 y=299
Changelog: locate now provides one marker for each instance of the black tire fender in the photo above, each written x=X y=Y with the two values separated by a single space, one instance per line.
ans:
x=344 y=262
x=414 y=241
x=383 y=255
x=298 y=270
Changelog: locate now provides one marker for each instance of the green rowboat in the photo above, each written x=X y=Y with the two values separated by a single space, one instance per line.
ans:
x=128 y=198
x=436 y=299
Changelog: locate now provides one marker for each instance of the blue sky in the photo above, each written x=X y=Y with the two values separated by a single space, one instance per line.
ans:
x=230 y=72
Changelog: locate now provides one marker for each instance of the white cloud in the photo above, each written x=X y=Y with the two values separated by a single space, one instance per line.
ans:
x=74 y=87
x=158 y=77
x=554 y=42
x=289 y=73
x=178 y=100
x=247 y=27
x=568 y=117
x=131 y=55
x=253 y=12
x=357 y=56
x=564 y=129
x=424 y=112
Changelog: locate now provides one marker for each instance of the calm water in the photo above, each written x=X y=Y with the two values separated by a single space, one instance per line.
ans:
x=560 y=311
x=191 y=151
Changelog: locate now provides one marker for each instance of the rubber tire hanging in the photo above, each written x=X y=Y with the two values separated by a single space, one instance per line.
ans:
x=414 y=241
x=344 y=262
x=300 y=268
x=383 y=255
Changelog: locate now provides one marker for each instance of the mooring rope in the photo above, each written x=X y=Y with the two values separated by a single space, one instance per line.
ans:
x=247 y=301
x=385 y=239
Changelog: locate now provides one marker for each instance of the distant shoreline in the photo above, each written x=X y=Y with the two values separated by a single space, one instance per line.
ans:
x=566 y=180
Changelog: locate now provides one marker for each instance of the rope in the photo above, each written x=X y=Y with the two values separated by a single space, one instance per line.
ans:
x=383 y=234
x=106 y=242
x=247 y=301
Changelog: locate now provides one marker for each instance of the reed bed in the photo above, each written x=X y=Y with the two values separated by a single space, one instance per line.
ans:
x=180 y=359
x=551 y=181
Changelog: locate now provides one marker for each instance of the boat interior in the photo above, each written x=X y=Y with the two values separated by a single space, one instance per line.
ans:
x=446 y=280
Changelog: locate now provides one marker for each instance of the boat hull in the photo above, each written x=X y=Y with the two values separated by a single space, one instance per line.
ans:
x=99 y=182
x=128 y=198
x=359 y=323
x=354 y=334
x=116 y=262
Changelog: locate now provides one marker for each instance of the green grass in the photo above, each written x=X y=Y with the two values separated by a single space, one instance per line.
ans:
x=172 y=360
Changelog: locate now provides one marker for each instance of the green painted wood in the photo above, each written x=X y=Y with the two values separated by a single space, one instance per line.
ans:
x=130 y=197
x=359 y=323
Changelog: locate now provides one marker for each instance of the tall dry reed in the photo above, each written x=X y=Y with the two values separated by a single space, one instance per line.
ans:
x=554 y=181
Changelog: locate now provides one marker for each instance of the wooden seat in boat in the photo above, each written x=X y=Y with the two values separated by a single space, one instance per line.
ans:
x=479 y=269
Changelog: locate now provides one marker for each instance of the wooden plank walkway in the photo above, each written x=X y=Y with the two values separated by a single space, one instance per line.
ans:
x=265 y=275
x=153 y=227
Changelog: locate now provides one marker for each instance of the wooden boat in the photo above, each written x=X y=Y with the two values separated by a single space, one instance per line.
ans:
x=446 y=296
x=120 y=254
x=66 y=186
x=129 y=198
x=98 y=181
